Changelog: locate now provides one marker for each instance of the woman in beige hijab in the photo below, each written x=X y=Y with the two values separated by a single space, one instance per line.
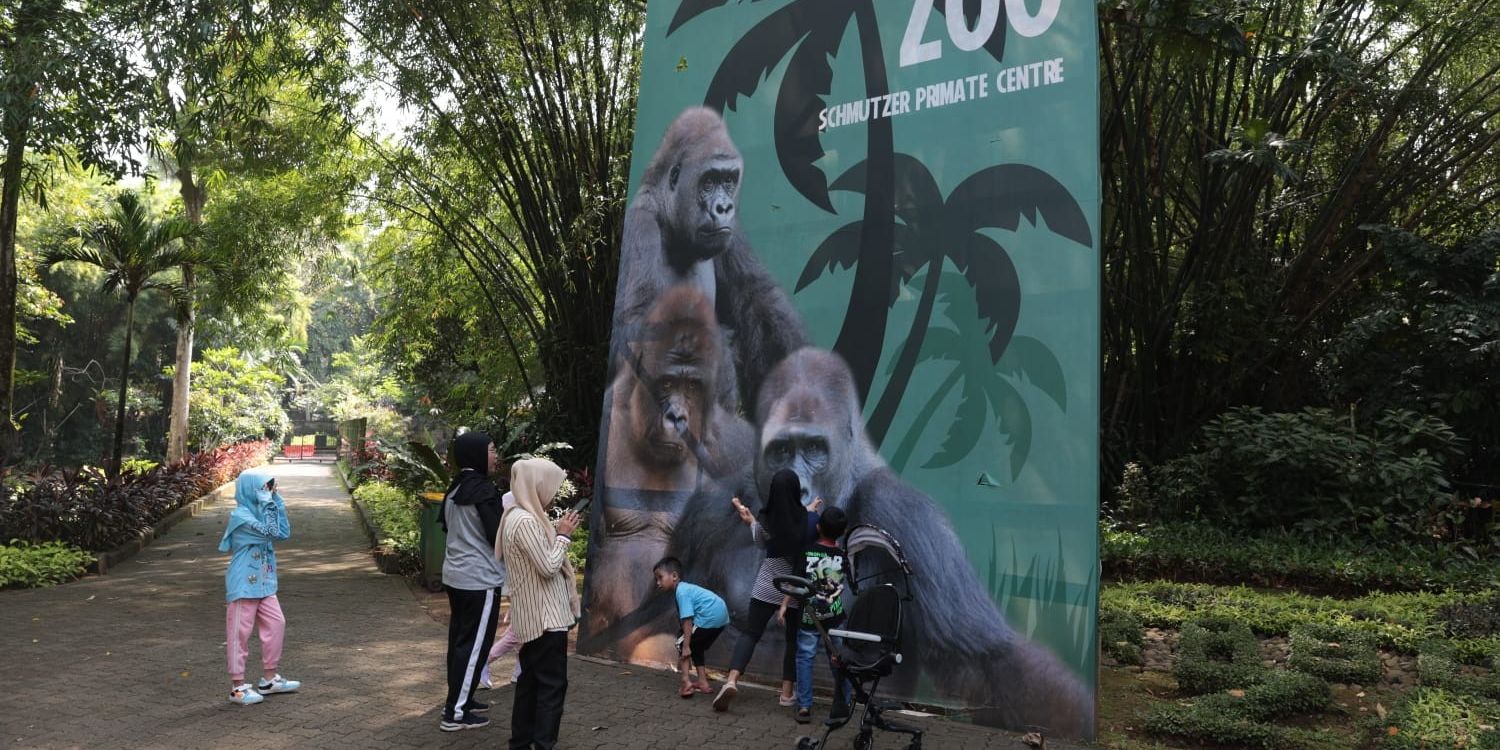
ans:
x=544 y=600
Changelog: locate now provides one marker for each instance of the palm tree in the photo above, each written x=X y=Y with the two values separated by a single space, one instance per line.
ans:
x=987 y=387
x=136 y=250
x=809 y=32
x=934 y=232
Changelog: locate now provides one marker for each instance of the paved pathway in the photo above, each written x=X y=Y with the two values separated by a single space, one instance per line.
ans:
x=135 y=659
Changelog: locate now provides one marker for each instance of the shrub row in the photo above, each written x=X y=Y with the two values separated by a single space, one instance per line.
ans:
x=1216 y=653
x=1121 y=635
x=1402 y=621
x=1205 y=554
x=396 y=516
x=1335 y=653
x=85 y=508
x=27 y=565
x=1437 y=668
x=1220 y=659
x=1238 y=717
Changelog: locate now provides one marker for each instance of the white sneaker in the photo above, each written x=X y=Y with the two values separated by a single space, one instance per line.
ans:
x=278 y=684
x=245 y=695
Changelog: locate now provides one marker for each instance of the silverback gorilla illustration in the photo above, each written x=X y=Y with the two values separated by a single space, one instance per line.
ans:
x=683 y=227
x=811 y=424
x=668 y=437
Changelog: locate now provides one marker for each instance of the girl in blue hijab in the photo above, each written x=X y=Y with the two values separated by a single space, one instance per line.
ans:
x=259 y=519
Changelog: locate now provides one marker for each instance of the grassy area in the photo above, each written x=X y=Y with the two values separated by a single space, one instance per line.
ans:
x=1333 y=641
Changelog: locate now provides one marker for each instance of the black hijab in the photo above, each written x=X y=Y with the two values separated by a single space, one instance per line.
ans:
x=471 y=455
x=784 y=518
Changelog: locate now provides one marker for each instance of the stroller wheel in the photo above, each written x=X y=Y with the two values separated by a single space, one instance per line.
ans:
x=865 y=740
x=806 y=743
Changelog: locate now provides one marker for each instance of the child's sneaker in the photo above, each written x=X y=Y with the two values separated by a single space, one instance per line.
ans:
x=245 y=695
x=469 y=721
x=278 y=684
x=804 y=715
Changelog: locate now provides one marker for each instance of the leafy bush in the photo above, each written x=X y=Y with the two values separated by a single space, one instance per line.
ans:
x=1202 y=553
x=1335 y=653
x=1471 y=618
x=1402 y=621
x=85 y=508
x=1121 y=636
x=138 y=466
x=1426 y=339
x=233 y=399
x=1432 y=718
x=396 y=516
x=1216 y=653
x=1437 y=667
x=26 y=565
x=1193 y=723
x=1313 y=472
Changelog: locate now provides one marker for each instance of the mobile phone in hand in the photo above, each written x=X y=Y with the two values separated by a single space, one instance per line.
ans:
x=580 y=506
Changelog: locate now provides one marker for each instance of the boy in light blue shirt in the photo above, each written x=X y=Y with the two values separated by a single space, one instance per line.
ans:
x=703 y=616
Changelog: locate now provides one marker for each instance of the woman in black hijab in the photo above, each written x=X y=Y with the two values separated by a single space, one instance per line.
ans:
x=472 y=576
x=784 y=528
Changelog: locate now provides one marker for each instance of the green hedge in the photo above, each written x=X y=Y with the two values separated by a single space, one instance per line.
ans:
x=1121 y=635
x=1204 y=554
x=1216 y=654
x=395 y=514
x=1239 y=717
x=27 y=565
x=1437 y=667
x=1193 y=723
x=1401 y=621
x=1334 y=652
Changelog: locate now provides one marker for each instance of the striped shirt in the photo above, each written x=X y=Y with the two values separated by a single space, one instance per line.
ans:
x=540 y=594
x=765 y=579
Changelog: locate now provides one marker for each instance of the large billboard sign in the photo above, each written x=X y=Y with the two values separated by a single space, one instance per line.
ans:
x=862 y=244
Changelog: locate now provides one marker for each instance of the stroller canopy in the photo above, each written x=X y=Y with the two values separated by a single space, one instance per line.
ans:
x=874 y=553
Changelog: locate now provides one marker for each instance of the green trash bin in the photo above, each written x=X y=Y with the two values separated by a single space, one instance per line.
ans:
x=434 y=540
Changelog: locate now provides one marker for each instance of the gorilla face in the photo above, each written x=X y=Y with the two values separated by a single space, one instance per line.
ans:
x=803 y=449
x=704 y=189
x=668 y=407
x=809 y=425
x=675 y=369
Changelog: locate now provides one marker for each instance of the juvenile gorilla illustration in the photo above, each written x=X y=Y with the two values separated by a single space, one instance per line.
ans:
x=668 y=438
x=811 y=424
x=683 y=228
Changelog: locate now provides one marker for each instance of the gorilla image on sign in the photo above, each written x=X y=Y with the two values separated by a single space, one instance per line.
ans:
x=683 y=228
x=810 y=423
x=668 y=437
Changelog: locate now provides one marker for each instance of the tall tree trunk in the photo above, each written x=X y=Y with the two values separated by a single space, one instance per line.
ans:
x=863 y=334
x=16 y=126
x=119 y=457
x=193 y=198
x=10 y=200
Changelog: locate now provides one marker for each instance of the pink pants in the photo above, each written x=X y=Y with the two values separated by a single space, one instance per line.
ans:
x=240 y=618
x=506 y=643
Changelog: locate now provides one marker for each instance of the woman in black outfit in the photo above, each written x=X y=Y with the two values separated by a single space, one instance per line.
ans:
x=784 y=528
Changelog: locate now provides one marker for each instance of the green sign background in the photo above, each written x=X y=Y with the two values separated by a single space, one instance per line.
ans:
x=1027 y=517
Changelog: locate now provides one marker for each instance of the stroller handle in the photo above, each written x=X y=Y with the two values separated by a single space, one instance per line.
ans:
x=856 y=635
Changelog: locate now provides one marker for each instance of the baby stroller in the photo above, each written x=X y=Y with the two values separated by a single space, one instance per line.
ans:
x=871 y=636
